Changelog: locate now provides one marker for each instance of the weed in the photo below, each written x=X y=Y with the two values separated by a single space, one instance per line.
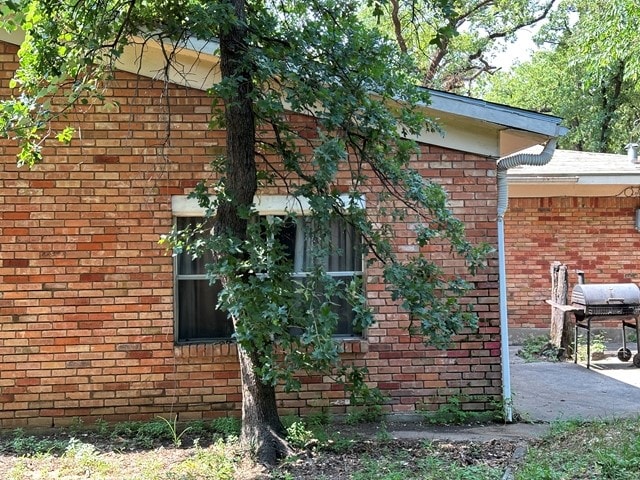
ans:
x=282 y=476
x=20 y=470
x=216 y=463
x=366 y=402
x=334 y=441
x=538 y=348
x=364 y=414
x=176 y=437
x=102 y=427
x=143 y=434
x=383 y=435
x=77 y=425
x=318 y=419
x=453 y=412
x=228 y=427
x=85 y=459
x=157 y=429
x=30 y=445
x=299 y=435
x=391 y=466
x=198 y=428
x=598 y=345
x=602 y=449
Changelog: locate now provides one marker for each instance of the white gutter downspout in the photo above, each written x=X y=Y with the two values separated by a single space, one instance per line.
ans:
x=505 y=164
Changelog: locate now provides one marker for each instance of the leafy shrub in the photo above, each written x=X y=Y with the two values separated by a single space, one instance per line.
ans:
x=538 y=348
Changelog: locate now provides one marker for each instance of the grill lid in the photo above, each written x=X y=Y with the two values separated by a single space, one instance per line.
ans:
x=606 y=294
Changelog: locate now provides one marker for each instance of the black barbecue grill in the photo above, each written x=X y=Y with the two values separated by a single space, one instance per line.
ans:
x=606 y=301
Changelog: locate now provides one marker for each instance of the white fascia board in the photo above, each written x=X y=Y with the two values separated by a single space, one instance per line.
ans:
x=585 y=179
x=610 y=179
x=550 y=190
x=570 y=185
x=544 y=180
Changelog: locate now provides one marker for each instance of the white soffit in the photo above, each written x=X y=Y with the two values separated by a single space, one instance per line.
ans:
x=194 y=65
x=463 y=134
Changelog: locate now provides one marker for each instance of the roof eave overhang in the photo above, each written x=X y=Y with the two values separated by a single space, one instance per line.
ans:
x=570 y=185
x=509 y=117
x=467 y=124
x=505 y=130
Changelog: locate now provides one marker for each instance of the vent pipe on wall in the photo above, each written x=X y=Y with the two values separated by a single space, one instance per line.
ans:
x=505 y=164
x=632 y=152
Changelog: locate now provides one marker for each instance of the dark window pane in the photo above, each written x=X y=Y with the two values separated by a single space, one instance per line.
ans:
x=187 y=265
x=287 y=237
x=345 y=313
x=342 y=308
x=346 y=255
x=198 y=318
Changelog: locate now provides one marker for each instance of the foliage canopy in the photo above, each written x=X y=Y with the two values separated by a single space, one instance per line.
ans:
x=587 y=74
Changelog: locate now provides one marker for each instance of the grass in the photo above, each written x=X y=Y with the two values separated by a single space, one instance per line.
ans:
x=132 y=450
x=582 y=451
x=394 y=467
x=81 y=459
x=572 y=450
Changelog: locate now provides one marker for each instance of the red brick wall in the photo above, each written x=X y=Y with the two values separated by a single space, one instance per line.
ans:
x=593 y=234
x=86 y=300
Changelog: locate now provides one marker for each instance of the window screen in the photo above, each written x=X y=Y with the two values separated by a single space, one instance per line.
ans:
x=198 y=320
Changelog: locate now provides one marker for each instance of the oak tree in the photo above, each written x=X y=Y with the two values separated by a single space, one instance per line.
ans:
x=277 y=58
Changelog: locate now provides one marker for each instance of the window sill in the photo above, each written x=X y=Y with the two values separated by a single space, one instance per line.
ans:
x=229 y=348
x=353 y=344
x=210 y=350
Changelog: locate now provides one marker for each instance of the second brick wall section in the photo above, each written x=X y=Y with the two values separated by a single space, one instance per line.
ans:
x=594 y=234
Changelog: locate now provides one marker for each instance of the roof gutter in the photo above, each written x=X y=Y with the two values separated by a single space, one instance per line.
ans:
x=505 y=164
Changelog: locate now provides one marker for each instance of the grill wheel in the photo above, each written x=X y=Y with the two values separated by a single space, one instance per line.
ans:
x=624 y=355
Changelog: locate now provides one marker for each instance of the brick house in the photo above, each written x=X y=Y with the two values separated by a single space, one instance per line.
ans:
x=91 y=320
x=581 y=210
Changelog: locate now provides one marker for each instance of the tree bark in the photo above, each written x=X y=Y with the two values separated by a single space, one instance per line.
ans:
x=611 y=91
x=262 y=430
x=560 y=333
x=397 y=25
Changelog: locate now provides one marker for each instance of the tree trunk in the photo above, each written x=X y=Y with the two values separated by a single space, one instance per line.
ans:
x=262 y=430
x=611 y=90
x=560 y=333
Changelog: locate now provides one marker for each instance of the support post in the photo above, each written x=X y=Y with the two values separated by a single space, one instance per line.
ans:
x=560 y=333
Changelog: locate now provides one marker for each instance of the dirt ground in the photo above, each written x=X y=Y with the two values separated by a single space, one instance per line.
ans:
x=126 y=461
x=494 y=453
